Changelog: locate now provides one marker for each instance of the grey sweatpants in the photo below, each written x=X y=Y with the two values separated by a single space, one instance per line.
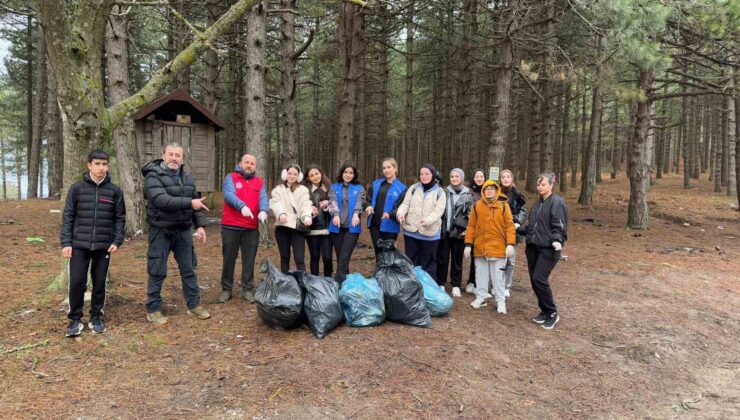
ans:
x=509 y=273
x=490 y=270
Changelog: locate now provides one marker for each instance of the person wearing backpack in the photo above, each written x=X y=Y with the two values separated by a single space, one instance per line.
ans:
x=492 y=234
x=479 y=177
x=455 y=222
x=324 y=202
x=518 y=204
x=291 y=204
x=346 y=226
x=420 y=214
x=93 y=226
x=381 y=204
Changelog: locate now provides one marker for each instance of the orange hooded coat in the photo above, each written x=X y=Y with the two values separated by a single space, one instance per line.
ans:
x=491 y=225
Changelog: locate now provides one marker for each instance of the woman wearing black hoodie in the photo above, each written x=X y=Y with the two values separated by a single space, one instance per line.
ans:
x=324 y=202
x=479 y=177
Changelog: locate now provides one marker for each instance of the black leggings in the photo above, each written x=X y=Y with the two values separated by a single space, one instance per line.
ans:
x=540 y=261
x=288 y=238
x=319 y=248
x=423 y=254
x=344 y=246
x=450 y=250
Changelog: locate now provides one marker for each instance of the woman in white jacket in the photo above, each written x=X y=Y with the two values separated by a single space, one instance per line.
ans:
x=420 y=214
x=291 y=203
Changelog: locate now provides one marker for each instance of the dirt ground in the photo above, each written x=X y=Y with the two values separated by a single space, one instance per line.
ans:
x=649 y=328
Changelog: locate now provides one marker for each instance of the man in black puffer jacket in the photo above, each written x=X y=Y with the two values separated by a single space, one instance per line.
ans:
x=92 y=228
x=172 y=209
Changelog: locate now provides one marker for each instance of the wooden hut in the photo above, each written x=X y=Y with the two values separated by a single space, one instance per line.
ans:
x=177 y=117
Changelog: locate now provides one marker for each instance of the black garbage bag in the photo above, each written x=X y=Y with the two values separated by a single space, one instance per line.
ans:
x=321 y=305
x=402 y=293
x=279 y=300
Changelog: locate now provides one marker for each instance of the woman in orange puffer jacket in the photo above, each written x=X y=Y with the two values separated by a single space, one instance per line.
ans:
x=492 y=234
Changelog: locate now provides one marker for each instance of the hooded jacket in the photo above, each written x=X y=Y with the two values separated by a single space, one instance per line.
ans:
x=169 y=198
x=491 y=225
x=457 y=212
x=94 y=215
x=548 y=222
x=419 y=204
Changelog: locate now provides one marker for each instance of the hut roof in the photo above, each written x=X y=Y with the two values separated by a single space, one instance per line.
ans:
x=178 y=102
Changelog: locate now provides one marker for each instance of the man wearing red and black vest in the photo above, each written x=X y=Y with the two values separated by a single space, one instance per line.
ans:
x=245 y=196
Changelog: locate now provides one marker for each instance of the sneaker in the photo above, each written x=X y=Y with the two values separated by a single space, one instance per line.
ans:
x=507 y=293
x=200 y=312
x=470 y=288
x=74 y=329
x=96 y=325
x=489 y=296
x=156 y=317
x=248 y=295
x=501 y=307
x=478 y=303
x=456 y=292
x=224 y=296
x=551 y=321
x=540 y=319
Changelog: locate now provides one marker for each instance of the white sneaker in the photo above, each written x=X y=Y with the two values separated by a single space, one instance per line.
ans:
x=470 y=289
x=501 y=307
x=507 y=293
x=478 y=303
x=489 y=296
x=456 y=292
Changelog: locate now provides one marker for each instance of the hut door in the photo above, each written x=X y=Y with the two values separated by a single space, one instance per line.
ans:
x=179 y=134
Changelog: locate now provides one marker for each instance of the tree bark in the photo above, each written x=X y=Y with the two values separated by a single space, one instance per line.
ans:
x=732 y=147
x=408 y=135
x=124 y=136
x=3 y=174
x=254 y=82
x=616 y=149
x=640 y=154
x=288 y=85
x=39 y=103
x=55 y=149
x=565 y=142
x=502 y=95
x=737 y=133
x=351 y=47
x=29 y=92
x=588 y=178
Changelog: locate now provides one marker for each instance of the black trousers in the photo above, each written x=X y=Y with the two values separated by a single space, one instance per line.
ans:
x=320 y=248
x=423 y=254
x=286 y=239
x=344 y=246
x=232 y=241
x=79 y=264
x=540 y=262
x=376 y=235
x=161 y=243
x=450 y=250
x=471 y=274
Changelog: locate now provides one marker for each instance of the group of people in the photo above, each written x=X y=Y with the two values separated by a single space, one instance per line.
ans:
x=441 y=227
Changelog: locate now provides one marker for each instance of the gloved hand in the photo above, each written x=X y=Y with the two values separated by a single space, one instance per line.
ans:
x=516 y=226
x=557 y=245
x=262 y=216
x=510 y=251
x=467 y=252
x=246 y=212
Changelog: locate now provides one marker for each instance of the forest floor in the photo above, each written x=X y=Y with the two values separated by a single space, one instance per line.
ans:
x=649 y=327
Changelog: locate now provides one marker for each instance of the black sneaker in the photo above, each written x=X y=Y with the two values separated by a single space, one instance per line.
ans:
x=96 y=325
x=540 y=319
x=74 y=328
x=551 y=321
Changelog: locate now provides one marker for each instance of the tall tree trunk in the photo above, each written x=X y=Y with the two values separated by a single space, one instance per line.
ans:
x=29 y=93
x=566 y=144
x=55 y=149
x=533 y=151
x=502 y=93
x=577 y=139
x=39 y=105
x=124 y=136
x=718 y=143
x=3 y=174
x=686 y=140
x=408 y=135
x=254 y=82
x=288 y=80
x=696 y=111
x=18 y=169
x=588 y=178
x=600 y=141
x=737 y=132
x=732 y=147
x=210 y=97
x=351 y=47
x=464 y=96
x=615 y=142
x=640 y=154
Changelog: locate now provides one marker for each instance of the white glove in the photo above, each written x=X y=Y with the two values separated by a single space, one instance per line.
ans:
x=510 y=251
x=246 y=212
x=516 y=226
x=467 y=251
x=557 y=245
x=262 y=216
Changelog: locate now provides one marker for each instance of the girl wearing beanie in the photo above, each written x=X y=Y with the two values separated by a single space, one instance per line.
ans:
x=491 y=232
x=454 y=223
x=517 y=202
x=420 y=214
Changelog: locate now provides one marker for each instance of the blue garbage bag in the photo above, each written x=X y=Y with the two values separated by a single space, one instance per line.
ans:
x=438 y=301
x=362 y=301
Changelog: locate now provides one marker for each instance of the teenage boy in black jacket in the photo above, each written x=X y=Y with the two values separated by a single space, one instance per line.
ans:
x=92 y=228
